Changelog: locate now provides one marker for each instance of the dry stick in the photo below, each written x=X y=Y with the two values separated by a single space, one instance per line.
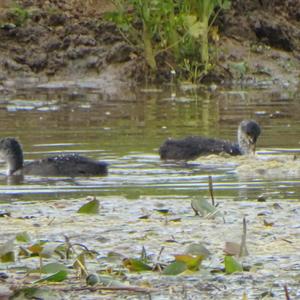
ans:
x=243 y=247
x=82 y=267
x=286 y=291
x=160 y=252
x=211 y=191
x=111 y=288
x=158 y=258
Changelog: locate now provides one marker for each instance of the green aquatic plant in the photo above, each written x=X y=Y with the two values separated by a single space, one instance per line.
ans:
x=178 y=28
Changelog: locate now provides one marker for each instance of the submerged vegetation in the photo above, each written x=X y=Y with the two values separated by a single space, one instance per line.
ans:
x=177 y=32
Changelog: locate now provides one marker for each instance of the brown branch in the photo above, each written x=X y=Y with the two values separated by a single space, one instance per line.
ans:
x=109 y=288
x=211 y=191
x=286 y=291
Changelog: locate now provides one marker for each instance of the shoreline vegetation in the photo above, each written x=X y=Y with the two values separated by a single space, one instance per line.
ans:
x=221 y=41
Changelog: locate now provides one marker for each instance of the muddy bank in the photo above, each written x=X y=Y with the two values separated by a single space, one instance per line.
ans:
x=260 y=41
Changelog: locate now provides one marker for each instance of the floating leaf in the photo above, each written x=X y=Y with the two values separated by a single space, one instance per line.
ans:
x=114 y=256
x=163 y=211
x=56 y=277
x=203 y=207
x=192 y=261
x=135 y=265
x=8 y=257
x=232 y=265
x=53 y=268
x=268 y=223
x=175 y=220
x=7 y=253
x=49 y=249
x=37 y=247
x=175 y=268
x=144 y=217
x=36 y=293
x=92 y=207
x=197 y=249
x=232 y=248
x=23 y=237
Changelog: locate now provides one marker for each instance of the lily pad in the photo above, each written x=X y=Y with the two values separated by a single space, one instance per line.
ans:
x=232 y=265
x=36 y=293
x=7 y=253
x=192 y=262
x=56 y=277
x=175 y=268
x=92 y=207
x=23 y=237
x=202 y=207
x=136 y=265
x=53 y=268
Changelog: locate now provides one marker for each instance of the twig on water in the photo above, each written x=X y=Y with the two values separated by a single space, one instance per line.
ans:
x=135 y=289
x=286 y=291
x=211 y=191
x=243 y=248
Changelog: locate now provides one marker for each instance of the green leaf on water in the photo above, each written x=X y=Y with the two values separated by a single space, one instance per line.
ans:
x=23 y=237
x=92 y=207
x=135 y=265
x=175 y=268
x=36 y=248
x=53 y=268
x=232 y=265
x=202 y=207
x=56 y=277
x=8 y=257
x=197 y=249
x=7 y=253
x=36 y=293
x=192 y=262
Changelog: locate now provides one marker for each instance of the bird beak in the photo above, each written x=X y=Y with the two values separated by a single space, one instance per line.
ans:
x=252 y=143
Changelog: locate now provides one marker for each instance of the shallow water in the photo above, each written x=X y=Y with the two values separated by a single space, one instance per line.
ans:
x=56 y=118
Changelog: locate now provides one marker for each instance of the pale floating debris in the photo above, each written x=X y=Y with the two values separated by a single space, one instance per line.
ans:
x=151 y=90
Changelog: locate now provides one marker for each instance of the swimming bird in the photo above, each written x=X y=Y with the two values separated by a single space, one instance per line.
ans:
x=71 y=165
x=193 y=146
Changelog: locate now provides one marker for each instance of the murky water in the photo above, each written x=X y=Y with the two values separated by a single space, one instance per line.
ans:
x=50 y=119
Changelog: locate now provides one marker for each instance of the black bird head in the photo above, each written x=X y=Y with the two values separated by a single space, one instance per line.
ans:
x=248 y=134
x=11 y=152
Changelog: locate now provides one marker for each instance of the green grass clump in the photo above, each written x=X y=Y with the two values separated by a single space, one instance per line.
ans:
x=179 y=28
x=18 y=15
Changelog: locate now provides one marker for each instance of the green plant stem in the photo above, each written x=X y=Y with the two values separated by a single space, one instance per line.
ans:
x=148 y=48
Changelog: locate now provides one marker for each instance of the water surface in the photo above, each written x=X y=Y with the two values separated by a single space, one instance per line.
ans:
x=57 y=118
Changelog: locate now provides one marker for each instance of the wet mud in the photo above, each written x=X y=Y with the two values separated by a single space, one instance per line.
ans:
x=67 y=40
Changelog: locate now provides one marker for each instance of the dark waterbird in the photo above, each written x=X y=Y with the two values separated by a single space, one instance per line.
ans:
x=193 y=146
x=71 y=165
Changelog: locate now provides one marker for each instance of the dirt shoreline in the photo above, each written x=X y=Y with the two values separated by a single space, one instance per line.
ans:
x=260 y=43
